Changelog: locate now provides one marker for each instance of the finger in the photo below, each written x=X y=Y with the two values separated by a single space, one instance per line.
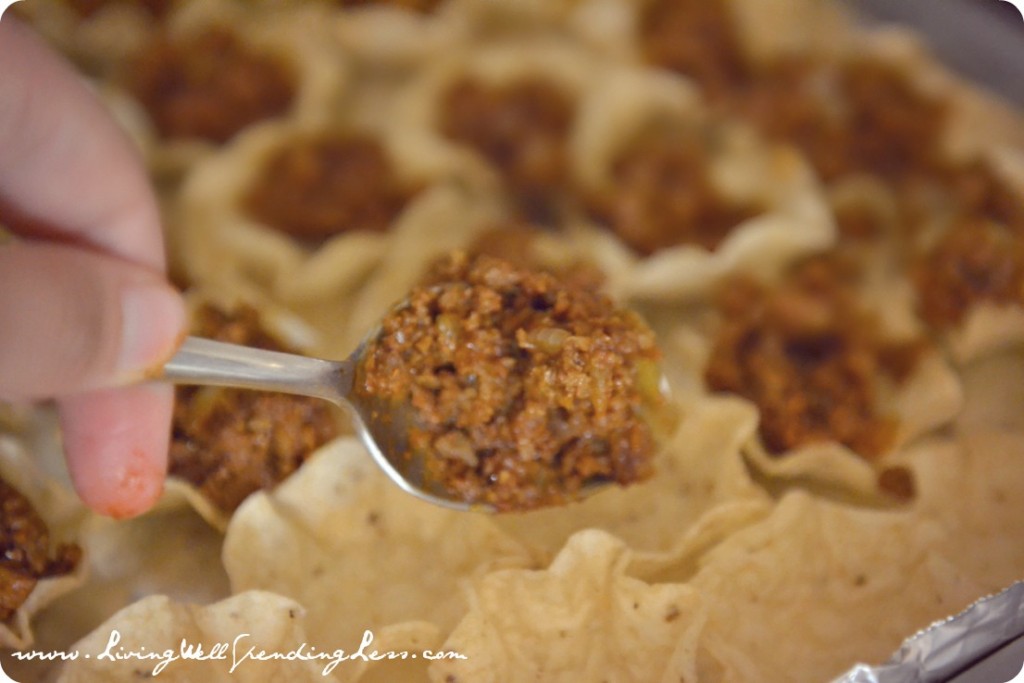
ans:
x=116 y=442
x=66 y=164
x=75 y=320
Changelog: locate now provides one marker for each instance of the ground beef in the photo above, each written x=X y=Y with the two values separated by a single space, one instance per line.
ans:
x=697 y=38
x=210 y=86
x=522 y=389
x=868 y=117
x=661 y=195
x=231 y=442
x=861 y=116
x=894 y=129
x=810 y=358
x=320 y=186
x=521 y=128
x=976 y=261
x=26 y=556
x=794 y=101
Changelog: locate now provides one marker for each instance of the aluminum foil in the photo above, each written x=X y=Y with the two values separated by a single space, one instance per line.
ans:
x=953 y=645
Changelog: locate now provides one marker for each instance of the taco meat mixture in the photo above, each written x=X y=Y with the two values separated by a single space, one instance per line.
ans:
x=976 y=261
x=321 y=186
x=523 y=390
x=209 y=87
x=27 y=556
x=696 y=38
x=868 y=117
x=860 y=116
x=662 y=194
x=810 y=358
x=231 y=442
x=521 y=128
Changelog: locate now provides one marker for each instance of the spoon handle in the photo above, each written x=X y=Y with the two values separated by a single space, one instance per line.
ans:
x=204 y=361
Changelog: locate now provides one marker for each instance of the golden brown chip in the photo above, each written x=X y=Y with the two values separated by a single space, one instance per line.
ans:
x=340 y=533
x=970 y=486
x=582 y=618
x=823 y=579
x=157 y=630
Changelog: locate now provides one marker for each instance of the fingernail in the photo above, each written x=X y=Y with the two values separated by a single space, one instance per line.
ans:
x=152 y=320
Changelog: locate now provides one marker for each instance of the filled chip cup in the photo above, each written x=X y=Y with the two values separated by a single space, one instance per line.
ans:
x=272 y=65
x=41 y=523
x=690 y=199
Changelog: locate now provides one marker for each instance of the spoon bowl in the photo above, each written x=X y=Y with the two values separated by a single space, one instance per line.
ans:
x=381 y=428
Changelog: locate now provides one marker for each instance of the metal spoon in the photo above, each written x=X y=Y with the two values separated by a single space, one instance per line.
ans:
x=203 y=361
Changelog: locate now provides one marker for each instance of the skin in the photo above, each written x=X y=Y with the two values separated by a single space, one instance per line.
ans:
x=85 y=307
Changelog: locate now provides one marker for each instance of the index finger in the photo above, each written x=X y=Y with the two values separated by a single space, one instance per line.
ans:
x=68 y=171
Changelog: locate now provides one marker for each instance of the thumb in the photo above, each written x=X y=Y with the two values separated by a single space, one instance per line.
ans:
x=73 y=320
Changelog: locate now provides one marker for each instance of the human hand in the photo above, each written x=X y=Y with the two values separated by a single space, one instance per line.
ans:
x=85 y=307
